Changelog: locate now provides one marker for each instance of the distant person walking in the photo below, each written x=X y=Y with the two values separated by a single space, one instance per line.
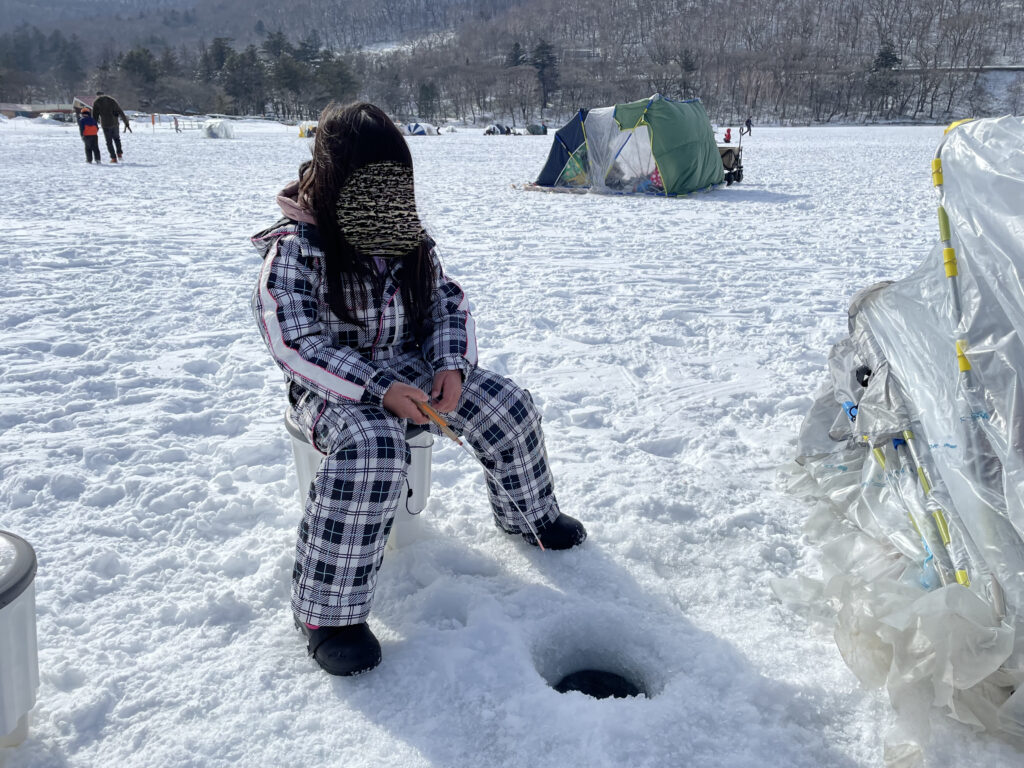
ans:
x=177 y=128
x=89 y=130
x=748 y=126
x=107 y=111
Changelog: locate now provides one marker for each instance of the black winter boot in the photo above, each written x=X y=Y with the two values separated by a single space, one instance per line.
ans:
x=563 y=532
x=342 y=651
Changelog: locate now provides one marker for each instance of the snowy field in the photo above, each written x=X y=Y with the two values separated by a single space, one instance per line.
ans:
x=673 y=347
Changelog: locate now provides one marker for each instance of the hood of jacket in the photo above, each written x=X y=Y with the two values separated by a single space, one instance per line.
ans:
x=295 y=216
x=290 y=205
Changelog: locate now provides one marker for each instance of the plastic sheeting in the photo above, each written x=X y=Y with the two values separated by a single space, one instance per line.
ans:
x=620 y=160
x=914 y=453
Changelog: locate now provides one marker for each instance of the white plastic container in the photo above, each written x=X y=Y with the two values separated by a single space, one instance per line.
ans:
x=407 y=525
x=19 y=663
x=417 y=481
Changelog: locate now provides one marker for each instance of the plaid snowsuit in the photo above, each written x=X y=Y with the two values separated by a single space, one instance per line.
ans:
x=337 y=374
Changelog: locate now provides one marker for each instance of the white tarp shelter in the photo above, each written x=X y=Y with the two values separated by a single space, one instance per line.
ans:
x=914 y=456
x=218 y=129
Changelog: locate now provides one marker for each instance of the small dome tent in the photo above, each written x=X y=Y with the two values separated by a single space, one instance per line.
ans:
x=419 y=129
x=913 y=455
x=653 y=146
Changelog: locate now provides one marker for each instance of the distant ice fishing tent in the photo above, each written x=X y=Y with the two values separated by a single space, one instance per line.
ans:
x=653 y=146
x=218 y=129
x=914 y=455
x=419 y=129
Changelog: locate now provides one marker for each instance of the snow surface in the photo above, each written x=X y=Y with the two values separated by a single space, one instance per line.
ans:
x=673 y=347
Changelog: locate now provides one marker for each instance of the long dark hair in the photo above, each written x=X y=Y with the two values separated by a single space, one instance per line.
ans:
x=347 y=139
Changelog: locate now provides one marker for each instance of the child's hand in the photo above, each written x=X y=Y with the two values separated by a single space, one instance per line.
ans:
x=401 y=400
x=447 y=390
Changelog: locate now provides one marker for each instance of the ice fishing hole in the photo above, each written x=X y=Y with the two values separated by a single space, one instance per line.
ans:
x=576 y=652
x=598 y=684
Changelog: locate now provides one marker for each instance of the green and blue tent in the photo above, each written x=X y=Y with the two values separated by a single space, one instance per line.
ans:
x=654 y=146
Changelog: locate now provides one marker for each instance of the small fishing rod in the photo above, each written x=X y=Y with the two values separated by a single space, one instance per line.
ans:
x=436 y=417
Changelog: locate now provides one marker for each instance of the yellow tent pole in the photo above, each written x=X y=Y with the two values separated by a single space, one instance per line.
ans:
x=952 y=269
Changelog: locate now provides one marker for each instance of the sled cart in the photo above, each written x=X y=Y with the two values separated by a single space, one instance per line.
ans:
x=732 y=162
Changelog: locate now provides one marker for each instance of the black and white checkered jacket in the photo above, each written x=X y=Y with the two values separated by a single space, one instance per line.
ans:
x=339 y=360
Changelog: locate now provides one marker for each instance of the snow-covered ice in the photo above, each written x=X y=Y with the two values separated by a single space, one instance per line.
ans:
x=672 y=345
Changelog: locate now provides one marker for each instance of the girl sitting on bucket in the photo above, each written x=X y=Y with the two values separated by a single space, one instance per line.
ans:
x=355 y=308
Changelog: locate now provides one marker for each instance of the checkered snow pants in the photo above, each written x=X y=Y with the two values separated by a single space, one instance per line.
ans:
x=353 y=498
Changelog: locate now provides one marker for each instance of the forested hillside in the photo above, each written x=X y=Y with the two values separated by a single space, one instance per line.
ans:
x=780 y=60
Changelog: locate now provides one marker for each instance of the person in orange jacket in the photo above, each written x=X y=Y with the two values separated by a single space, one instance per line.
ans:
x=89 y=130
